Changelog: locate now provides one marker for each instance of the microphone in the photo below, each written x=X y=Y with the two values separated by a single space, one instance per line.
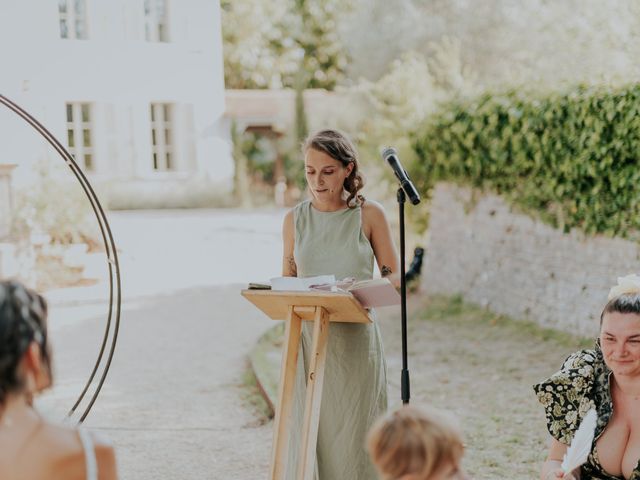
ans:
x=391 y=157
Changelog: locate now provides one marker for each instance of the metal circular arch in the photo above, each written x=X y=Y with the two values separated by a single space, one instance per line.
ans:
x=115 y=297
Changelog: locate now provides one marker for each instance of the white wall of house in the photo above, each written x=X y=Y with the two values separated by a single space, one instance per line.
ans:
x=119 y=73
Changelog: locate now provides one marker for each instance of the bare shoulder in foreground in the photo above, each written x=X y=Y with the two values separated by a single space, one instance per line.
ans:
x=71 y=459
x=55 y=452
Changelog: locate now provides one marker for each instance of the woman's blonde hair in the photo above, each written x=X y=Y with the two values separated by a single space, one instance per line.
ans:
x=413 y=443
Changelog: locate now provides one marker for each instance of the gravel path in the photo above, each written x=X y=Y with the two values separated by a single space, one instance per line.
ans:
x=175 y=407
x=481 y=368
x=174 y=403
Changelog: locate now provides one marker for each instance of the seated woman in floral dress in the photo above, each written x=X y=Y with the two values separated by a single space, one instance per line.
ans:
x=607 y=379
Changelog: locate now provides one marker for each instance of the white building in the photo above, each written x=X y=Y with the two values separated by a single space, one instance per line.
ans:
x=134 y=89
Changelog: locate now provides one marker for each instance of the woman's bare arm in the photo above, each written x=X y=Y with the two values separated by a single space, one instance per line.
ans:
x=381 y=240
x=289 y=268
x=551 y=468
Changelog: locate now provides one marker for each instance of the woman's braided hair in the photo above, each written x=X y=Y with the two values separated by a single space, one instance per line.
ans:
x=338 y=146
x=22 y=320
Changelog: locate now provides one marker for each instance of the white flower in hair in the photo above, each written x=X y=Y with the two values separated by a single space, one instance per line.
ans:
x=627 y=284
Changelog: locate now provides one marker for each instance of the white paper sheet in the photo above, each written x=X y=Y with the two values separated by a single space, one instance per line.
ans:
x=300 y=284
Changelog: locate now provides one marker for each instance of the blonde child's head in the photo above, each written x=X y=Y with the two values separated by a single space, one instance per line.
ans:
x=416 y=444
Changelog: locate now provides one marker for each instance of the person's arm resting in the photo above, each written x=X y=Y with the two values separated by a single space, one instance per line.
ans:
x=289 y=267
x=382 y=242
x=551 y=469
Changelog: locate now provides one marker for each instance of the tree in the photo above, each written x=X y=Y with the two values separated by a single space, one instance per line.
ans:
x=540 y=43
x=266 y=43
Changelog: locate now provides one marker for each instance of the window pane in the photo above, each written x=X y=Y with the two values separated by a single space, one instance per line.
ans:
x=62 y=6
x=79 y=4
x=161 y=132
x=86 y=138
x=88 y=162
x=85 y=112
x=162 y=32
x=69 y=112
x=80 y=33
x=64 y=31
x=70 y=138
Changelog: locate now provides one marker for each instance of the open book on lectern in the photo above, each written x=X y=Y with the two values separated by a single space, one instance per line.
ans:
x=376 y=292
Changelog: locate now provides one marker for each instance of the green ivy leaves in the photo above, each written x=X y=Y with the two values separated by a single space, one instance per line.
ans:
x=572 y=159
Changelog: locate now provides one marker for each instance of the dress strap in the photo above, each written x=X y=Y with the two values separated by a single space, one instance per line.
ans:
x=89 y=454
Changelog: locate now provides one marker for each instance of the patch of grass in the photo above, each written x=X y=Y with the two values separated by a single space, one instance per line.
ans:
x=456 y=311
x=273 y=336
x=253 y=396
x=265 y=365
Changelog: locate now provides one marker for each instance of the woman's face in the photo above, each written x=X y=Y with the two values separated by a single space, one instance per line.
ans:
x=325 y=176
x=620 y=342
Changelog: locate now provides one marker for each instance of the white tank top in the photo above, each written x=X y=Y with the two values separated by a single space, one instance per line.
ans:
x=89 y=454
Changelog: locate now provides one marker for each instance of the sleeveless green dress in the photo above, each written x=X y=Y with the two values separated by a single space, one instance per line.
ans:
x=355 y=384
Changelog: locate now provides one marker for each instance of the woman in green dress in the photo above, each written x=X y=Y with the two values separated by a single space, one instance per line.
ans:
x=337 y=232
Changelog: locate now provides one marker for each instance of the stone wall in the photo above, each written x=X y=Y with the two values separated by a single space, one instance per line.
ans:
x=514 y=265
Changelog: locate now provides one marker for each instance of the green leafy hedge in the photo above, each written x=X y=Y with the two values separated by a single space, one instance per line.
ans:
x=572 y=159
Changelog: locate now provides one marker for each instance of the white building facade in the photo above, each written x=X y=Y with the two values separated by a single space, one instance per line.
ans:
x=133 y=88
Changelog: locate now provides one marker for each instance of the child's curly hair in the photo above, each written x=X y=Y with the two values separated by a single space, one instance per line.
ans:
x=413 y=443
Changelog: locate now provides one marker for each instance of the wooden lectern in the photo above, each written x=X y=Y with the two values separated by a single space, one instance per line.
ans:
x=322 y=308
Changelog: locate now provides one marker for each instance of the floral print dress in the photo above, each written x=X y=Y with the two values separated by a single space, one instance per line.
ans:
x=581 y=383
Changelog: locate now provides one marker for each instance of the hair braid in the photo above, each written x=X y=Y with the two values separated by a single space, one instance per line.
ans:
x=22 y=321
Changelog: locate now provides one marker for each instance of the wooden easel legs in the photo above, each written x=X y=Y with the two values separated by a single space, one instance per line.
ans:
x=282 y=419
x=314 y=395
x=282 y=423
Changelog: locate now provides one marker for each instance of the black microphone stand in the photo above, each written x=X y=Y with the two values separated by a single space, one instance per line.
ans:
x=404 y=380
x=407 y=189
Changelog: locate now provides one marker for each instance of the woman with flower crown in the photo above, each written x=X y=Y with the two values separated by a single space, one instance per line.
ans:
x=606 y=378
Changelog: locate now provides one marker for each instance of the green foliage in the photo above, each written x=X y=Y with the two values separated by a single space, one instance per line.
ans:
x=256 y=154
x=302 y=130
x=572 y=159
x=241 y=188
x=56 y=208
x=413 y=88
x=267 y=43
x=294 y=167
x=260 y=153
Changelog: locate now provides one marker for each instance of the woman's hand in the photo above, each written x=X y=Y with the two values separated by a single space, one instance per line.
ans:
x=559 y=473
x=552 y=468
x=395 y=279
